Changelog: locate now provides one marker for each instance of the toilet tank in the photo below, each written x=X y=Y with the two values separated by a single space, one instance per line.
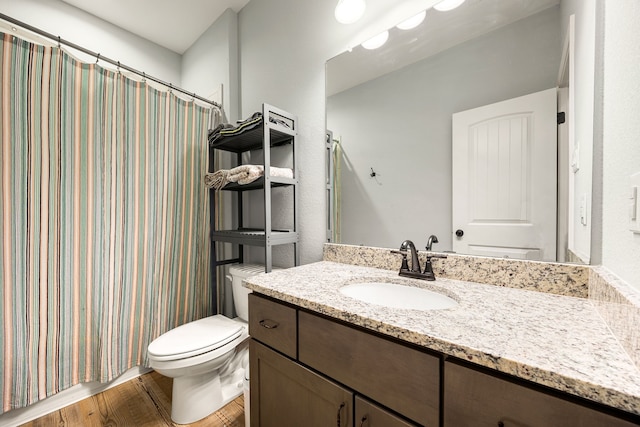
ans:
x=237 y=274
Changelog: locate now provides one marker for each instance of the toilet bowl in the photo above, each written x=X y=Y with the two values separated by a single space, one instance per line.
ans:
x=206 y=358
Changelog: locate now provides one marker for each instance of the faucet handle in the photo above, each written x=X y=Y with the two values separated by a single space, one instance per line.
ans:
x=405 y=263
x=428 y=267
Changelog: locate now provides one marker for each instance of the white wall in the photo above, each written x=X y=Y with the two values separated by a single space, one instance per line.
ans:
x=400 y=125
x=585 y=27
x=77 y=26
x=621 y=139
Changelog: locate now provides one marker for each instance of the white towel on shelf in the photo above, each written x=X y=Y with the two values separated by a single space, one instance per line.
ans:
x=243 y=174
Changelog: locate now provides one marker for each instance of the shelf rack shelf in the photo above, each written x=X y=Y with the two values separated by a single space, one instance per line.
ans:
x=277 y=128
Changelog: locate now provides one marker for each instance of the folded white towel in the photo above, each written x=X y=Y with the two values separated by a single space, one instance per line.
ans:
x=243 y=174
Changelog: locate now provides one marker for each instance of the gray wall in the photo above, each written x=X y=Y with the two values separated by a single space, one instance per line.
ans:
x=213 y=61
x=400 y=125
x=284 y=45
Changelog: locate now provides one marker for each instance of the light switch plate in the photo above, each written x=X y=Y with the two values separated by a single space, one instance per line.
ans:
x=575 y=159
x=634 y=206
x=583 y=210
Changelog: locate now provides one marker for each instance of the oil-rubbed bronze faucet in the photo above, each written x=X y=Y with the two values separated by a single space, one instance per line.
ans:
x=415 y=272
x=432 y=239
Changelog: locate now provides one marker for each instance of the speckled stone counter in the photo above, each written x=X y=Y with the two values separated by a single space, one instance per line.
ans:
x=619 y=306
x=553 y=340
x=555 y=278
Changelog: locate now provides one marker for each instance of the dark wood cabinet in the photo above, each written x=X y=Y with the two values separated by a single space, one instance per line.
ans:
x=308 y=370
x=286 y=394
x=397 y=376
x=273 y=324
x=477 y=399
x=368 y=414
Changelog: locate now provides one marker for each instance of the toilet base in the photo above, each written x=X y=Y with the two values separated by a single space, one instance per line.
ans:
x=195 y=397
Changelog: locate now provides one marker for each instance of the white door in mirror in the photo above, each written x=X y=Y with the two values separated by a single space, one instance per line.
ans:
x=504 y=178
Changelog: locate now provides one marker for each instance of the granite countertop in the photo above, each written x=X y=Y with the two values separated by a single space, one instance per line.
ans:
x=553 y=340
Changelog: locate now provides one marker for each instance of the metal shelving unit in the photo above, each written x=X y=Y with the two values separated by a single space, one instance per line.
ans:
x=278 y=128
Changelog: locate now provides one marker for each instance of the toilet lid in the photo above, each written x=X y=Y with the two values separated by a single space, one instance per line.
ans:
x=194 y=338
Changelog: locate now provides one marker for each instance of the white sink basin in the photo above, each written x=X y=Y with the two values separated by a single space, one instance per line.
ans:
x=398 y=296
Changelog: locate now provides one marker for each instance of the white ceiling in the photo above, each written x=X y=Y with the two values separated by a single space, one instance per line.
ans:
x=174 y=24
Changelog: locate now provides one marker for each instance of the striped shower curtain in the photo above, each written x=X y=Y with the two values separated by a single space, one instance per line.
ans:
x=103 y=220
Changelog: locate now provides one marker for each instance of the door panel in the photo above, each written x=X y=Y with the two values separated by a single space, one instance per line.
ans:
x=504 y=178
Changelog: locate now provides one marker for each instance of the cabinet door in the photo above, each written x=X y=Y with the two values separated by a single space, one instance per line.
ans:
x=285 y=394
x=369 y=414
x=476 y=399
x=399 y=377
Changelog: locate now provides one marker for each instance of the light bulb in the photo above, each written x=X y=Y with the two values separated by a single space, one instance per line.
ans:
x=349 y=11
x=376 y=41
x=447 y=5
x=412 y=22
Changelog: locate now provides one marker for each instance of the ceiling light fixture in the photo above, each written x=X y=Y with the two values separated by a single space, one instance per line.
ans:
x=376 y=41
x=412 y=22
x=447 y=5
x=349 y=11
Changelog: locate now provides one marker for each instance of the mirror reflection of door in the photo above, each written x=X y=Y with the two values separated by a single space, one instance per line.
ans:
x=504 y=178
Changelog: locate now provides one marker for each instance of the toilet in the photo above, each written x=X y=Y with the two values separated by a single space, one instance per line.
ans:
x=206 y=358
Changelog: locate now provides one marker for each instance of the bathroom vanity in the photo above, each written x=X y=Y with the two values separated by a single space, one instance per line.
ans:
x=319 y=358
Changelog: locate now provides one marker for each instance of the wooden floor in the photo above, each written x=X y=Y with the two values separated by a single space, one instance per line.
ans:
x=143 y=401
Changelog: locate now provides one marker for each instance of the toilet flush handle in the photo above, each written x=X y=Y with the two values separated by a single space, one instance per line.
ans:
x=269 y=324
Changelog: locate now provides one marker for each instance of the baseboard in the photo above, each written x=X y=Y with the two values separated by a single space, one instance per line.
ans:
x=67 y=397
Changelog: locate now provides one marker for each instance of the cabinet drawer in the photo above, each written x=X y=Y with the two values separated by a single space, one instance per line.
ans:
x=369 y=414
x=273 y=324
x=473 y=398
x=399 y=377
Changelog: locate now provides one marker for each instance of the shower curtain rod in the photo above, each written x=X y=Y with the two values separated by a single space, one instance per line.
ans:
x=99 y=57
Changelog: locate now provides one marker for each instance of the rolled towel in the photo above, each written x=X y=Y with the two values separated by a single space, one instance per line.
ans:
x=216 y=180
x=244 y=174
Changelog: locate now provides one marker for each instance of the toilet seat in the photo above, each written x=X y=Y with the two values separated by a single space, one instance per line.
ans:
x=195 y=338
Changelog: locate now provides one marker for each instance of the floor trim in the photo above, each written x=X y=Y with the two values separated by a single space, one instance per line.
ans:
x=67 y=397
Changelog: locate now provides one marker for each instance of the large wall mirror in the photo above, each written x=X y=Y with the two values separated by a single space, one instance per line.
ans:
x=450 y=129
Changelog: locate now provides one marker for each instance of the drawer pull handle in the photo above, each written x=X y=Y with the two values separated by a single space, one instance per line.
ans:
x=339 y=411
x=363 y=420
x=269 y=324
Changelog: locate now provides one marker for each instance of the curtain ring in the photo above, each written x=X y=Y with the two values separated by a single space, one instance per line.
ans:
x=170 y=87
x=97 y=58
x=118 y=67
x=144 y=77
x=59 y=44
